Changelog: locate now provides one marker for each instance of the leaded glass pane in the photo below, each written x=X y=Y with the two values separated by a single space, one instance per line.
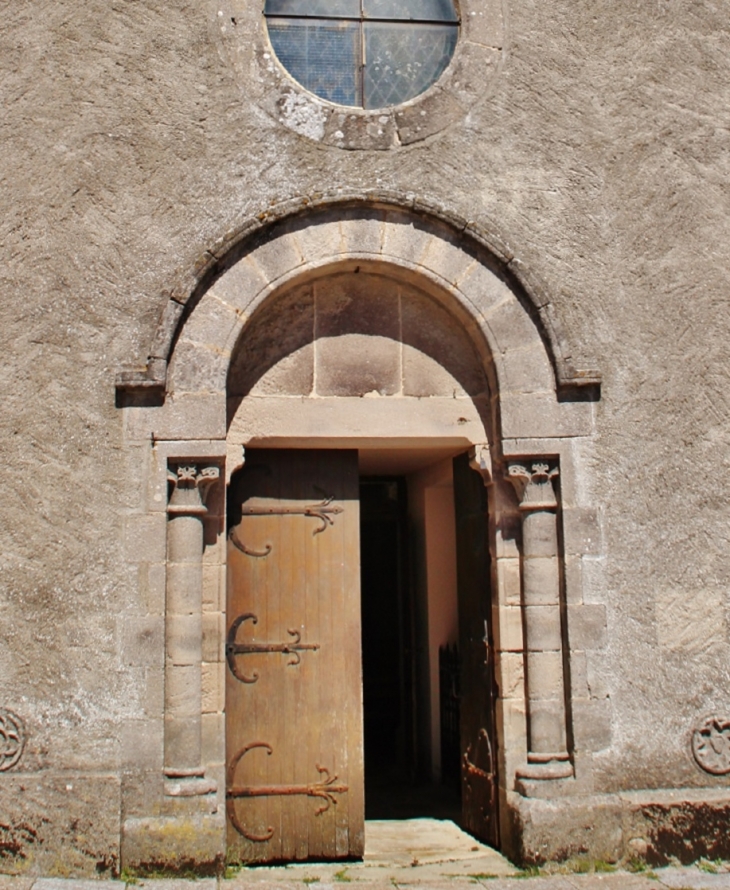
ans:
x=402 y=60
x=323 y=55
x=416 y=10
x=327 y=8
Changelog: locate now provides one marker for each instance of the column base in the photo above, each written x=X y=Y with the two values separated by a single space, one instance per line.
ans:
x=546 y=767
x=195 y=843
x=188 y=782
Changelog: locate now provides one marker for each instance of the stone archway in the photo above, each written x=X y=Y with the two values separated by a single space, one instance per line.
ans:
x=530 y=439
x=355 y=360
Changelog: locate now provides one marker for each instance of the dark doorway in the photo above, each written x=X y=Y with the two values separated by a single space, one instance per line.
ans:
x=398 y=783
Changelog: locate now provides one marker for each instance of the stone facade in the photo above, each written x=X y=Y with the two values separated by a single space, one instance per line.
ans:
x=191 y=245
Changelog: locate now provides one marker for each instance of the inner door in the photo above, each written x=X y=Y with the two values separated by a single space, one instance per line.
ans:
x=477 y=688
x=294 y=735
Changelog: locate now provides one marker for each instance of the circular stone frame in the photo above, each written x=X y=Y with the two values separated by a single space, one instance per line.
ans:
x=477 y=59
x=710 y=744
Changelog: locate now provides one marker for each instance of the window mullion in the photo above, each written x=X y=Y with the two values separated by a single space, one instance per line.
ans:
x=363 y=60
x=363 y=63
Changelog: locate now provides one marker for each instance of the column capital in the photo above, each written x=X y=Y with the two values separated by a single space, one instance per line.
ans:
x=480 y=459
x=191 y=484
x=533 y=482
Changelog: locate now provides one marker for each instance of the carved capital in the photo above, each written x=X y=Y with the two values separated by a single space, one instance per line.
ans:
x=533 y=483
x=480 y=459
x=191 y=484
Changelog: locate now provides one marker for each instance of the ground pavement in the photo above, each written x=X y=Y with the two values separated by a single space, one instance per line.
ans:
x=408 y=853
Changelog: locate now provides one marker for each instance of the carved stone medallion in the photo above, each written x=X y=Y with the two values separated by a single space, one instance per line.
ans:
x=12 y=739
x=711 y=745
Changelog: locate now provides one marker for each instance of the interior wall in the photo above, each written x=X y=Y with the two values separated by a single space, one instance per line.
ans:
x=431 y=507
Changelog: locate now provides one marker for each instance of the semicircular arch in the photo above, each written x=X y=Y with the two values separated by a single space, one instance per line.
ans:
x=392 y=211
x=514 y=352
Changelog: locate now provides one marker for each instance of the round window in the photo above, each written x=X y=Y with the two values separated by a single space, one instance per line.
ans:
x=363 y=53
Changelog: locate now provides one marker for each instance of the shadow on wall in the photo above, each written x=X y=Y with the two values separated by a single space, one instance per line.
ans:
x=356 y=333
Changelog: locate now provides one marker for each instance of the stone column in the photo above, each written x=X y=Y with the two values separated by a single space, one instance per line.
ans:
x=184 y=774
x=547 y=756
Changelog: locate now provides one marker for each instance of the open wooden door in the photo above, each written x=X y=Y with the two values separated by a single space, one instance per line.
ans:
x=294 y=738
x=476 y=705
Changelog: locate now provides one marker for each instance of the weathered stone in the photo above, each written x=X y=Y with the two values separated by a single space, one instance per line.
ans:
x=141 y=743
x=485 y=24
x=277 y=258
x=363 y=233
x=142 y=641
x=534 y=414
x=198 y=367
x=541 y=574
x=570 y=189
x=508 y=629
x=146 y=538
x=67 y=824
x=426 y=117
x=361 y=130
x=180 y=685
x=404 y=239
x=593 y=828
x=545 y=673
x=511 y=674
x=539 y=535
x=358 y=330
x=212 y=686
x=438 y=357
x=213 y=633
x=213 y=590
x=173 y=419
x=213 y=739
x=544 y=628
x=587 y=627
x=681 y=627
x=239 y=285
x=582 y=532
x=159 y=844
x=183 y=635
x=682 y=827
x=509 y=583
x=592 y=724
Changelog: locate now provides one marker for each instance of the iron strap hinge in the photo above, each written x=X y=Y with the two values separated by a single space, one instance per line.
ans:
x=233 y=648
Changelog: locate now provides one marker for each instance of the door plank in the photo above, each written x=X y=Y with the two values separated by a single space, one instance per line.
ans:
x=303 y=577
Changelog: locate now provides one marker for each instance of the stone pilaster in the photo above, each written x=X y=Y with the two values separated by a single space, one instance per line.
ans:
x=184 y=773
x=547 y=756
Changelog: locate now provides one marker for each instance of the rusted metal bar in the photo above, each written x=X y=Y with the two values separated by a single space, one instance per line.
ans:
x=234 y=648
x=322 y=511
x=238 y=543
x=325 y=789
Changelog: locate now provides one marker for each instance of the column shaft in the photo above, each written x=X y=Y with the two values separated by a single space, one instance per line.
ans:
x=547 y=755
x=183 y=630
x=183 y=642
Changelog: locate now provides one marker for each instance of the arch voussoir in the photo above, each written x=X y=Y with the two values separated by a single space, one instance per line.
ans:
x=483 y=299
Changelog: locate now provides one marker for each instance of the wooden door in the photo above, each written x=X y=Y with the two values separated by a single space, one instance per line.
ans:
x=294 y=733
x=476 y=681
